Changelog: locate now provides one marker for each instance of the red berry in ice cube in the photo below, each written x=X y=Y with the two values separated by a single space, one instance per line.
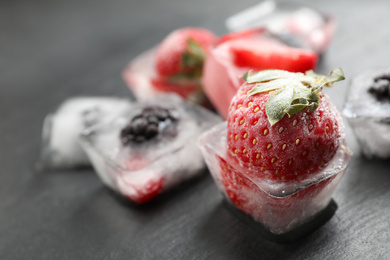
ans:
x=282 y=125
x=254 y=49
x=182 y=52
x=146 y=192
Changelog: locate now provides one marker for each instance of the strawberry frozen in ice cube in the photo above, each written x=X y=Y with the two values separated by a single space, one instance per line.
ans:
x=298 y=24
x=254 y=49
x=175 y=65
x=182 y=52
x=282 y=151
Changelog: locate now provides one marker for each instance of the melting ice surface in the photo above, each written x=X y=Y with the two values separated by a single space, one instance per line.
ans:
x=60 y=147
x=279 y=206
x=369 y=118
x=142 y=78
x=171 y=157
x=138 y=74
x=299 y=25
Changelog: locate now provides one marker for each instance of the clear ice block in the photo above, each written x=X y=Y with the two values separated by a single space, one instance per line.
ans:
x=141 y=171
x=60 y=147
x=222 y=76
x=297 y=24
x=369 y=117
x=280 y=207
x=142 y=79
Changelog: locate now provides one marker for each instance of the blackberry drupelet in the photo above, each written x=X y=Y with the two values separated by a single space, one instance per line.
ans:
x=148 y=124
x=381 y=87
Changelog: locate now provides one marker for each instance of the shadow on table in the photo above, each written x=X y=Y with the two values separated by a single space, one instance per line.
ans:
x=367 y=176
x=162 y=199
x=230 y=238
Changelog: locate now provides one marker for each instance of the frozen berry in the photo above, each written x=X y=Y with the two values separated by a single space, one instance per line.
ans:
x=381 y=87
x=148 y=124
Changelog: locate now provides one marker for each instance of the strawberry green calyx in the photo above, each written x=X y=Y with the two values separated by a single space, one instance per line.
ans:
x=193 y=58
x=297 y=90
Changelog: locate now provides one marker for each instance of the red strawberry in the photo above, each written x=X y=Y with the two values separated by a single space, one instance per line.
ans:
x=265 y=57
x=150 y=190
x=142 y=190
x=261 y=55
x=247 y=197
x=182 y=52
x=242 y=51
x=137 y=181
x=281 y=125
x=235 y=184
x=139 y=187
x=281 y=129
x=248 y=33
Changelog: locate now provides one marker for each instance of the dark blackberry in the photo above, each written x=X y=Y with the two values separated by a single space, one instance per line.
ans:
x=381 y=87
x=148 y=124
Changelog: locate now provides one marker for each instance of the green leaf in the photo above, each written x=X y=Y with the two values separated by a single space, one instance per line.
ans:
x=266 y=75
x=314 y=97
x=188 y=60
x=339 y=75
x=293 y=109
x=195 y=74
x=298 y=90
x=277 y=104
x=300 y=101
x=301 y=91
x=313 y=106
x=246 y=75
x=274 y=84
x=195 y=49
x=194 y=56
x=321 y=80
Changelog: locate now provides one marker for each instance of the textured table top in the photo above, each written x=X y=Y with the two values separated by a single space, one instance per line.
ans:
x=50 y=51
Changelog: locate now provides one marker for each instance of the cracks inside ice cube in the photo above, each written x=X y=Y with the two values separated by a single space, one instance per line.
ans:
x=368 y=111
x=142 y=170
x=60 y=147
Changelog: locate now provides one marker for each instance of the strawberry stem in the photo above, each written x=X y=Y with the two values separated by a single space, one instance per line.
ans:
x=297 y=90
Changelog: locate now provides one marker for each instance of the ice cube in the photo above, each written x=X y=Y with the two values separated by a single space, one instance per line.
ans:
x=238 y=53
x=368 y=116
x=140 y=170
x=299 y=25
x=60 y=147
x=142 y=79
x=280 y=207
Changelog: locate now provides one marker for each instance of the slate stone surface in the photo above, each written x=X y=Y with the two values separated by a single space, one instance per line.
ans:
x=53 y=50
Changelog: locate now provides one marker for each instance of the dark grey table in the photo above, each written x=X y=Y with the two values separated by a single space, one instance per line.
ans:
x=53 y=50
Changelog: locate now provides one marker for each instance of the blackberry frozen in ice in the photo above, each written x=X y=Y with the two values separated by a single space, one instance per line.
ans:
x=380 y=87
x=367 y=108
x=149 y=123
x=149 y=147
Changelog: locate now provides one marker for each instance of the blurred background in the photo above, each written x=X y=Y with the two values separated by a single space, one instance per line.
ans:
x=53 y=50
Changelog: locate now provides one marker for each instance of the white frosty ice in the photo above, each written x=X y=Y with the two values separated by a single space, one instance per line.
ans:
x=280 y=207
x=166 y=160
x=60 y=147
x=369 y=118
x=300 y=25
